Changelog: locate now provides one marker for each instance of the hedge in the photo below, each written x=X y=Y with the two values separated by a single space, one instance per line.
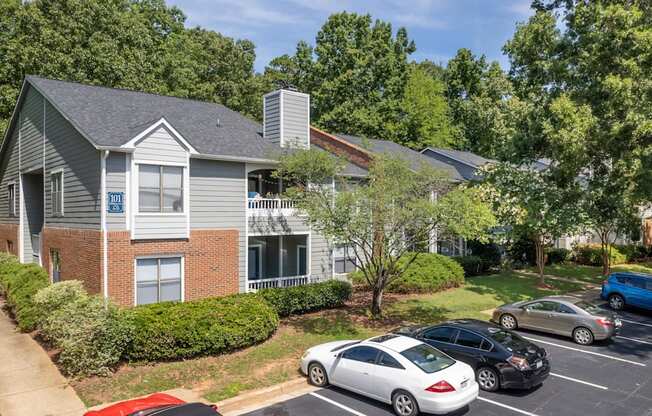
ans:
x=172 y=330
x=472 y=265
x=591 y=255
x=558 y=255
x=20 y=282
x=428 y=273
x=307 y=298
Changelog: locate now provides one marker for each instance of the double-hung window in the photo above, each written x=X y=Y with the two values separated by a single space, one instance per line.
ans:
x=11 y=199
x=56 y=193
x=160 y=188
x=158 y=280
x=345 y=260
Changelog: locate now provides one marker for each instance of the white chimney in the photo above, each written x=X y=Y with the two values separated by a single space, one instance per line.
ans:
x=286 y=118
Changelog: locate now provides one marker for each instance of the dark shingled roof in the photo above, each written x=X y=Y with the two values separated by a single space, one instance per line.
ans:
x=111 y=117
x=415 y=158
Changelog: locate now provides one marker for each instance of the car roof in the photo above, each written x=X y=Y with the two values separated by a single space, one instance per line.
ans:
x=394 y=342
x=470 y=324
x=560 y=298
x=633 y=274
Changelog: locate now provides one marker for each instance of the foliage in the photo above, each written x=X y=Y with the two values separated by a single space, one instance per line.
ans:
x=489 y=252
x=591 y=255
x=56 y=296
x=171 y=330
x=140 y=45
x=634 y=252
x=558 y=255
x=521 y=251
x=307 y=298
x=385 y=215
x=90 y=333
x=472 y=265
x=20 y=283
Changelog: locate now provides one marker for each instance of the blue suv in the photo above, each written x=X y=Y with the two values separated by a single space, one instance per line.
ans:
x=628 y=289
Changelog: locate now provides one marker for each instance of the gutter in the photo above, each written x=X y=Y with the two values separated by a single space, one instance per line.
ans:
x=105 y=239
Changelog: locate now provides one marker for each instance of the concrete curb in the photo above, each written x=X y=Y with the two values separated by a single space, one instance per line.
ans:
x=256 y=399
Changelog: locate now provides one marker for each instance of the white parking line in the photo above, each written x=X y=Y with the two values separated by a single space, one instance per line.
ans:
x=334 y=403
x=635 y=323
x=586 y=352
x=523 y=412
x=597 y=386
x=634 y=340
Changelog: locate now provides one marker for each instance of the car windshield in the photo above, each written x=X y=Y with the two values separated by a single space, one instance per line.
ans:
x=589 y=307
x=427 y=358
x=507 y=339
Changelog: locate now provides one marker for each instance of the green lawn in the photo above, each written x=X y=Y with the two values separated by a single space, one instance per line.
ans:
x=276 y=360
x=590 y=274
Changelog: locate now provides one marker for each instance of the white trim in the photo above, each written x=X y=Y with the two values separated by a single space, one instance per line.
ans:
x=127 y=191
x=226 y=158
x=45 y=202
x=161 y=163
x=105 y=239
x=246 y=227
x=260 y=260
x=133 y=190
x=308 y=126
x=55 y=172
x=161 y=256
x=13 y=212
x=159 y=214
x=185 y=193
x=21 y=221
x=131 y=144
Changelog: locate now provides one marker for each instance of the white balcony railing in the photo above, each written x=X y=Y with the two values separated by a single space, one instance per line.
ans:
x=266 y=206
x=258 y=284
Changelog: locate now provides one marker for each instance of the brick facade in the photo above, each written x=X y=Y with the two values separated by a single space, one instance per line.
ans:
x=352 y=153
x=9 y=234
x=211 y=259
x=81 y=254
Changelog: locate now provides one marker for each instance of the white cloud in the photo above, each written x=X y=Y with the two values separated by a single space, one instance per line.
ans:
x=520 y=8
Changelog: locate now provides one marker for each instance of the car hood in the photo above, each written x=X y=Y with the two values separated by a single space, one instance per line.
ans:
x=530 y=351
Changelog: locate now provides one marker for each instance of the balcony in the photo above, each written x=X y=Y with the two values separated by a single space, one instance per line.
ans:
x=255 y=285
x=269 y=206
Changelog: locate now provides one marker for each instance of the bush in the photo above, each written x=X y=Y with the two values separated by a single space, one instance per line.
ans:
x=522 y=252
x=633 y=252
x=92 y=335
x=558 y=255
x=56 y=296
x=472 y=265
x=307 y=298
x=591 y=255
x=20 y=282
x=490 y=253
x=428 y=273
x=172 y=330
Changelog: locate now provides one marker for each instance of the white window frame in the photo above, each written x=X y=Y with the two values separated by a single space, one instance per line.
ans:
x=11 y=199
x=161 y=256
x=184 y=189
x=60 y=213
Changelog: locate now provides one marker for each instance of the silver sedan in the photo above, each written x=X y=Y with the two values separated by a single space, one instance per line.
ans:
x=561 y=315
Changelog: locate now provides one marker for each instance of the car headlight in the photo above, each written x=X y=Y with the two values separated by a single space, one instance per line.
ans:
x=305 y=354
x=519 y=363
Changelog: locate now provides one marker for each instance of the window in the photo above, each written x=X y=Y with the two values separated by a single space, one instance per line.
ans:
x=158 y=280
x=468 y=339
x=636 y=282
x=443 y=334
x=160 y=188
x=11 y=199
x=427 y=358
x=565 y=309
x=56 y=193
x=544 y=306
x=486 y=345
x=55 y=265
x=345 y=261
x=388 y=361
x=363 y=354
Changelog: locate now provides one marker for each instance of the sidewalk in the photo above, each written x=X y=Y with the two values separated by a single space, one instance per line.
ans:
x=30 y=384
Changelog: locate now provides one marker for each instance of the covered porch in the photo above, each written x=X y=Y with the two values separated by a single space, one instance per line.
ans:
x=278 y=261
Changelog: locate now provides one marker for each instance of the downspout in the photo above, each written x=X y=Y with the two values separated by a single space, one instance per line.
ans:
x=105 y=249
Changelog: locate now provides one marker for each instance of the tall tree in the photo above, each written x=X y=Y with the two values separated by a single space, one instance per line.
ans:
x=134 y=44
x=592 y=80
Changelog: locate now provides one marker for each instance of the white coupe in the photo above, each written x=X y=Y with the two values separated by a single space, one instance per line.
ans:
x=411 y=376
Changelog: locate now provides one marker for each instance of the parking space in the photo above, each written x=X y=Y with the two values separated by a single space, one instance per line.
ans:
x=605 y=379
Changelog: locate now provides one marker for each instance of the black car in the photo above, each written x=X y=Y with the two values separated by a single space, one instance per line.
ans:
x=500 y=358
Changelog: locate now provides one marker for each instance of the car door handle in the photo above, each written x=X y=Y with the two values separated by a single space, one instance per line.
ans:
x=365 y=374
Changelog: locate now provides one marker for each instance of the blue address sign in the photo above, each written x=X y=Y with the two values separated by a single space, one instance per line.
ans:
x=116 y=203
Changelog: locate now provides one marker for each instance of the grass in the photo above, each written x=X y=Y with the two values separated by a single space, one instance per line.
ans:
x=276 y=360
x=590 y=274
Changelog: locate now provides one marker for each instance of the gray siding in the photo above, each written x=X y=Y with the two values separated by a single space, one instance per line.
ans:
x=116 y=177
x=31 y=132
x=160 y=226
x=218 y=201
x=160 y=146
x=321 y=256
x=272 y=116
x=296 y=118
x=9 y=174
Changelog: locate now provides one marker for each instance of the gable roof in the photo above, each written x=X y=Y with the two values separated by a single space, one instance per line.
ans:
x=110 y=117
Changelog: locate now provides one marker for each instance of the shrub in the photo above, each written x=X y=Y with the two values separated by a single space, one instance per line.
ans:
x=591 y=255
x=522 y=251
x=172 y=330
x=633 y=252
x=307 y=298
x=558 y=255
x=428 y=273
x=472 y=265
x=92 y=335
x=20 y=283
x=490 y=253
x=54 y=297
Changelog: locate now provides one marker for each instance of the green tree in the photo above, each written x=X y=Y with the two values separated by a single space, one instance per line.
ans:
x=133 y=44
x=382 y=217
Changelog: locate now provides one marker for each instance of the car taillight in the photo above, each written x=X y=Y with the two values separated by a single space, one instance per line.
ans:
x=519 y=362
x=604 y=322
x=604 y=282
x=441 y=387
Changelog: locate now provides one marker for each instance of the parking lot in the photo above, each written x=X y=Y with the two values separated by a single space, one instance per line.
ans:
x=607 y=378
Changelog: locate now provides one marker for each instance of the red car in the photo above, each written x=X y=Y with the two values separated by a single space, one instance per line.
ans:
x=158 y=404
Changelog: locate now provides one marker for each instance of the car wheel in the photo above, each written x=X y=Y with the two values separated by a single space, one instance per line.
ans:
x=404 y=404
x=616 y=302
x=508 y=321
x=317 y=375
x=583 y=336
x=487 y=378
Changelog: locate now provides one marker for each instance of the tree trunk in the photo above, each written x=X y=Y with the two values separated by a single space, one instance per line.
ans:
x=606 y=253
x=377 y=301
x=540 y=257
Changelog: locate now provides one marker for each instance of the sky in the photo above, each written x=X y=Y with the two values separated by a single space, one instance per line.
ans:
x=438 y=27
